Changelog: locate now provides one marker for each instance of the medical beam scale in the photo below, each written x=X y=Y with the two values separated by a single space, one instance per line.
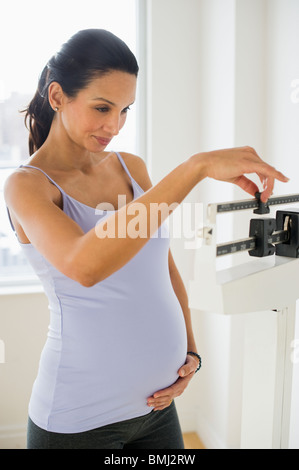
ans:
x=268 y=281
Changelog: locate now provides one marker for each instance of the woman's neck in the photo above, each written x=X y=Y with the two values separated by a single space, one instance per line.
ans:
x=61 y=153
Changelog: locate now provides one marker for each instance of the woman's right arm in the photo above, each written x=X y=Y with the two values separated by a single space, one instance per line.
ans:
x=88 y=258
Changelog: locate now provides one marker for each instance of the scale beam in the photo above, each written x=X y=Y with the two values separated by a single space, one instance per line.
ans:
x=263 y=240
x=256 y=204
x=250 y=243
x=230 y=290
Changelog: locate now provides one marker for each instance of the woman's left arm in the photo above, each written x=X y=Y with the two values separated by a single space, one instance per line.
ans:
x=163 y=398
x=180 y=291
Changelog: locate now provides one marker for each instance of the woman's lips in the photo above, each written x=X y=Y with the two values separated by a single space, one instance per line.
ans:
x=102 y=141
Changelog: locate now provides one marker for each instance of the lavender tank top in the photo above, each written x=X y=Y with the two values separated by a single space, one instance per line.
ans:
x=111 y=346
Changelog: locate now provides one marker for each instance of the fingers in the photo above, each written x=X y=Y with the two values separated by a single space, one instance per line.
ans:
x=189 y=367
x=247 y=185
x=163 y=398
x=267 y=180
x=251 y=188
x=267 y=173
x=232 y=165
x=159 y=403
x=268 y=189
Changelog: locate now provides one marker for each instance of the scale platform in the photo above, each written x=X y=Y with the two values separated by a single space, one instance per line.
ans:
x=250 y=287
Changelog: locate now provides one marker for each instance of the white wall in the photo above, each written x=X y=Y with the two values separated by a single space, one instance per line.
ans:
x=24 y=320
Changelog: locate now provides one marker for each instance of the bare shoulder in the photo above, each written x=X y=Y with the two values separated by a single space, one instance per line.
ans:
x=17 y=180
x=22 y=183
x=137 y=168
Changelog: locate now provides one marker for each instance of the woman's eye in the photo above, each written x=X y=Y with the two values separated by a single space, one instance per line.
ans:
x=103 y=110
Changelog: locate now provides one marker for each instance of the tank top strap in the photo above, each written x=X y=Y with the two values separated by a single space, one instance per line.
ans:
x=123 y=164
x=10 y=221
x=49 y=178
x=136 y=187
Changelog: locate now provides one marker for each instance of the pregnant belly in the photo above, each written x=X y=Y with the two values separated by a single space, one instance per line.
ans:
x=143 y=354
x=167 y=349
x=105 y=374
x=136 y=352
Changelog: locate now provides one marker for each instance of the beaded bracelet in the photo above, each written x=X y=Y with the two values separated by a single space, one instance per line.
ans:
x=198 y=357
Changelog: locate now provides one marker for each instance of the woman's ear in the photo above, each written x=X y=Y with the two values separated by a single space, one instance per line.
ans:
x=55 y=95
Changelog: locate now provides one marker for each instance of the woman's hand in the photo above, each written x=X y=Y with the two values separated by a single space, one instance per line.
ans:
x=163 y=398
x=231 y=165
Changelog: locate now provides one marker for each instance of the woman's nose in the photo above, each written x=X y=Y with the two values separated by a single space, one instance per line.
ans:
x=112 y=125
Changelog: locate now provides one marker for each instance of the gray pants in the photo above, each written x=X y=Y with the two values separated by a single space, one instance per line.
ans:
x=156 y=430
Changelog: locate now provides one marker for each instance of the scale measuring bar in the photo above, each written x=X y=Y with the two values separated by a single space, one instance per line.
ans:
x=263 y=237
x=256 y=203
x=250 y=243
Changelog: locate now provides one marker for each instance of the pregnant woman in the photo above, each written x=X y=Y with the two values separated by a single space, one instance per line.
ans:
x=120 y=345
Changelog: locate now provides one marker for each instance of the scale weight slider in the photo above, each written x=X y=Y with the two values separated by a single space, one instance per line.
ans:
x=261 y=230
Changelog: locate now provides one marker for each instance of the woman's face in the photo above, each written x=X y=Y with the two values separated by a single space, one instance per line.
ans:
x=98 y=112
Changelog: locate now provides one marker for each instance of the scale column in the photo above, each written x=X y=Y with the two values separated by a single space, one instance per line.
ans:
x=284 y=377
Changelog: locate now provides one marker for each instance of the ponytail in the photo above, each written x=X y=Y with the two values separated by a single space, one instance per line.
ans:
x=88 y=54
x=39 y=115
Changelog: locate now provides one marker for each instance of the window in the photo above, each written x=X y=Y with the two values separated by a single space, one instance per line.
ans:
x=31 y=37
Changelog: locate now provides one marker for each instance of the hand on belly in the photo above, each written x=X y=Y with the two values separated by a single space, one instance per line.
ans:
x=163 y=398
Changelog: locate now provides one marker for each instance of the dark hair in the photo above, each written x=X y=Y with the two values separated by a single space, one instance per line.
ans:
x=87 y=54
